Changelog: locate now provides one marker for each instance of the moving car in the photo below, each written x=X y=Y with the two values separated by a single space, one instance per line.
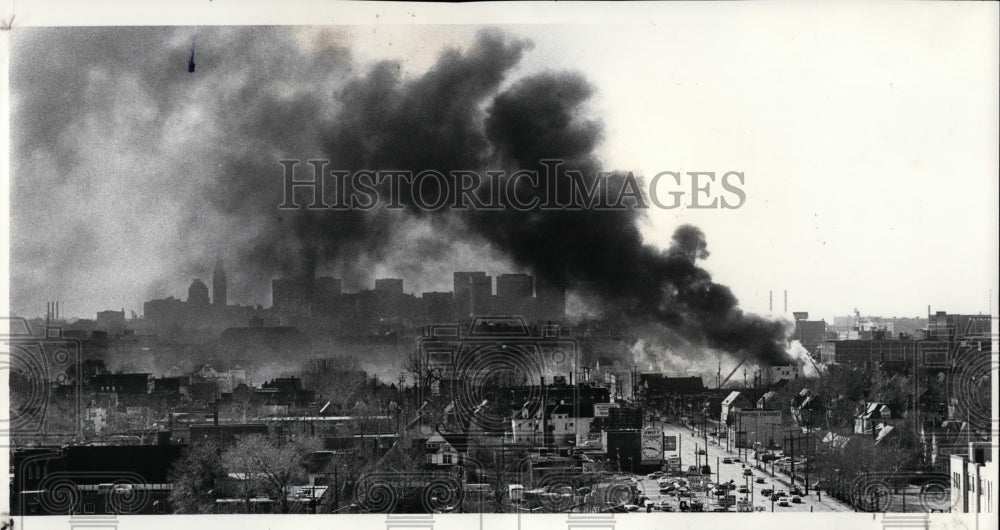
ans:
x=748 y=472
x=759 y=480
x=743 y=489
x=767 y=492
x=783 y=501
x=654 y=475
x=667 y=489
x=796 y=499
x=727 y=460
x=736 y=459
x=701 y=451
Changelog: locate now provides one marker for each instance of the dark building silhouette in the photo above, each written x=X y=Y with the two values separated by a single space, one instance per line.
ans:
x=219 y=290
x=481 y=292
x=439 y=307
x=463 y=289
x=551 y=301
x=197 y=294
x=326 y=288
x=515 y=293
x=389 y=285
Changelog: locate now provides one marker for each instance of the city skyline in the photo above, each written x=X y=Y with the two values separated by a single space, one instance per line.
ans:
x=834 y=239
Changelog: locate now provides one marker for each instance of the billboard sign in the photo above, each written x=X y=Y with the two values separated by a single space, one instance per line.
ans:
x=602 y=410
x=652 y=446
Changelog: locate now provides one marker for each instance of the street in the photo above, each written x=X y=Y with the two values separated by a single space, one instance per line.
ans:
x=689 y=445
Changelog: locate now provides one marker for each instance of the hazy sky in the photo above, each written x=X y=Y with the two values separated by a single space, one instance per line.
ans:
x=868 y=139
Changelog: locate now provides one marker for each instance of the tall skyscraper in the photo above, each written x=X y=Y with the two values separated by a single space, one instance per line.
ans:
x=219 y=292
x=198 y=294
x=473 y=291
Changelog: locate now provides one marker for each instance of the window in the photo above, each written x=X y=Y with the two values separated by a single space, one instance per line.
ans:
x=88 y=507
x=446 y=459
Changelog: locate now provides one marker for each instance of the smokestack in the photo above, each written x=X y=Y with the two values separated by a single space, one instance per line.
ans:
x=57 y=310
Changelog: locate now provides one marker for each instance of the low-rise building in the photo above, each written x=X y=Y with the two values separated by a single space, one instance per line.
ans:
x=973 y=480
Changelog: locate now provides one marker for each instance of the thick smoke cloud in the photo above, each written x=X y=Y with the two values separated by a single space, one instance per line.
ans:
x=209 y=143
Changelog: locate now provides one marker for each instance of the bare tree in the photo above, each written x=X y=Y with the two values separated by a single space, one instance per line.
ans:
x=193 y=477
x=267 y=467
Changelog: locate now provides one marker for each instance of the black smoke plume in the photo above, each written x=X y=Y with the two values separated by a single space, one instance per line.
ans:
x=258 y=97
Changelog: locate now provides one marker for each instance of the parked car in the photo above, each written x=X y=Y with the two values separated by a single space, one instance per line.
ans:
x=759 y=480
x=767 y=492
x=684 y=506
x=743 y=489
x=667 y=489
x=736 y=459
x=796 y=490
x=701 y=451
x=654 y=476
x=697 y=506
x=727 y=460
x=632 y=507
x=748 y=472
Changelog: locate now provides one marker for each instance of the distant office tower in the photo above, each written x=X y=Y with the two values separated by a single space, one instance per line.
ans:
x=111 y=321
x=551 y=301
x=463 y=292
x=220 y=295
x=197 y=294
x=482 y=295
x=389 y=285
x=514 y=294
x=327 y=288
x=292 y=294
x=439 y=307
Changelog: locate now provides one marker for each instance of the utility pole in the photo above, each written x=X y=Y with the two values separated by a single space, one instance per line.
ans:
x=806 y=452
x=792 y=460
